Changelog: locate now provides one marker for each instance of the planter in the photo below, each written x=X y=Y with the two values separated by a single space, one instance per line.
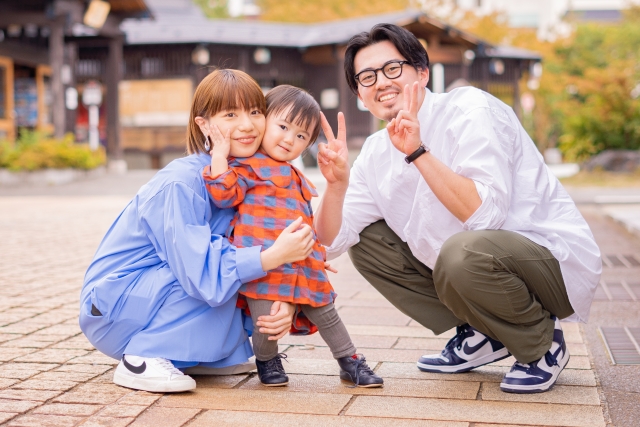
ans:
x=47 y=176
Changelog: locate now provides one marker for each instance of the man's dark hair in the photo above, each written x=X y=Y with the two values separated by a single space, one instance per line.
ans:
x=406 y=43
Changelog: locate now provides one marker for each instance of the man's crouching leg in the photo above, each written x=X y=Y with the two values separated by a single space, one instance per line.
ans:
x=510 y=292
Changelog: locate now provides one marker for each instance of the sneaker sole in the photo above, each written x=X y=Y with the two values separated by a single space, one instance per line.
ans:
x=351 y=384
x=242 y=368
x=540 y=388
x=466 y=367
x=275 y=385
x=153 y=386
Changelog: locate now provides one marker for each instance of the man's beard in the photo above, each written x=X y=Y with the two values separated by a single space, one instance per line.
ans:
x=391 y=114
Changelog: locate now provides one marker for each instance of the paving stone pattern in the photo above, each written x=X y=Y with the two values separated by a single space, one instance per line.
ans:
x=51 y=376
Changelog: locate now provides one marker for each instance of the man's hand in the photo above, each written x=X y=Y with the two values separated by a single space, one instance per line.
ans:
x=333 y=157
x=294 y=243
x=278 y=323
x=404 y=130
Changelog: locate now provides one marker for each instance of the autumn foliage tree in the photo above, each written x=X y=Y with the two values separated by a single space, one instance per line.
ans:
x=588 y=98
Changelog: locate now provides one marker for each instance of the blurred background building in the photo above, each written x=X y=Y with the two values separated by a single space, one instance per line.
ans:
x=548 y=16
x=148 y=56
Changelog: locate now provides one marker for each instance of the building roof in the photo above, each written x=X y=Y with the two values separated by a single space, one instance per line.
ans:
x=509 y=52
x=595 y=15
x=180 y=21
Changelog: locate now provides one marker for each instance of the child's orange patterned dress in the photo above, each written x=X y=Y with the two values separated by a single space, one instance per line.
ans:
x=270 y=195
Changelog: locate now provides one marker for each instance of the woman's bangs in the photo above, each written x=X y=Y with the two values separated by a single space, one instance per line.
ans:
x=239 y=93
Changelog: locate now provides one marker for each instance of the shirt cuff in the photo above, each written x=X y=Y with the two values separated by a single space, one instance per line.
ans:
x=248 y=263
x=481 y=218
x=341 y=243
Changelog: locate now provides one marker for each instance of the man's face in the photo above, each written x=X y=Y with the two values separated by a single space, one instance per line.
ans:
x=385 y=98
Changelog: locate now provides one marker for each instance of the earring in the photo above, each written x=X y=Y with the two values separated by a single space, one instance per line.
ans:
x=207 y=144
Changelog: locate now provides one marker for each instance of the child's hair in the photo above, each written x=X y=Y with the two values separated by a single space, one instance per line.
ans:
x=221 y=90
x=304 y=111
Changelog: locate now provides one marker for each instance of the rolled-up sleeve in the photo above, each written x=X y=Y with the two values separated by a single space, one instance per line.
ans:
x=484 y=154
x=206 y=265
x=359 y=211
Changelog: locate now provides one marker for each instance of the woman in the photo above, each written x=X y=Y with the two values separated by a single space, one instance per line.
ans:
x=161 y=291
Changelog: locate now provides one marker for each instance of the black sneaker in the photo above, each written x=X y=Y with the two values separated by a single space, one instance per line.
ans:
x=467 y=350
x=271 y=372
x=541 y=375
x=354 y=370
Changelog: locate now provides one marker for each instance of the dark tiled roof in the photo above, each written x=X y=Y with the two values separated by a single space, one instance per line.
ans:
x=180 y=21
x=595 y=15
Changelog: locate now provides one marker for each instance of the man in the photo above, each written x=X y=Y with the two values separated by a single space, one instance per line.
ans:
x=452 y=215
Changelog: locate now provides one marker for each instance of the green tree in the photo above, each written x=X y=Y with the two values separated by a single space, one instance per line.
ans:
x=215 y=9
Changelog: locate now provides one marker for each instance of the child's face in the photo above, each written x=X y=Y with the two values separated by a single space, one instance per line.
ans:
x=284 y=141
x=246 y=129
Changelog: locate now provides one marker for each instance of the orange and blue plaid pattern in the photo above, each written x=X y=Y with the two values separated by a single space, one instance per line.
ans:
x=270 y=195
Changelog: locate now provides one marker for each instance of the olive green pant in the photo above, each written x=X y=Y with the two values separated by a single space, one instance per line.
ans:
x=498 y=281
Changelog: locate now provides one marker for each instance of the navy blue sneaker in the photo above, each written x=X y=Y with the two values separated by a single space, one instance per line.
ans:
x=541 y=375
x=467 y=350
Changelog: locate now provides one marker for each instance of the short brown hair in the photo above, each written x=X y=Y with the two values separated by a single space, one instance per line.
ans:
x=304 y=111
x=221 y=90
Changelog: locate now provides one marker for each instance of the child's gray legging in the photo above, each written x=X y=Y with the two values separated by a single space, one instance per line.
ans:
x=326 y=318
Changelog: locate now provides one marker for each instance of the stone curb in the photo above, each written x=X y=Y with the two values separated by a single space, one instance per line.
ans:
x=47 y=176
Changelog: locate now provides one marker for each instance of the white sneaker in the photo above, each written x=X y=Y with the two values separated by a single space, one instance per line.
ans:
x=540 y=375
x=151 y=374
x=467 y=350
x=242 y=368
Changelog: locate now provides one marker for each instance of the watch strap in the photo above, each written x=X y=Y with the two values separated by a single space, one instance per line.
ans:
x=419 y=152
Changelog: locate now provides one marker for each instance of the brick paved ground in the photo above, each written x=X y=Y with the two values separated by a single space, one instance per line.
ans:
x=51 y=376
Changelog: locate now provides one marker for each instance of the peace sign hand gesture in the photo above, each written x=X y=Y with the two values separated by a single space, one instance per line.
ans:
x=404 y=130
x=333 y=157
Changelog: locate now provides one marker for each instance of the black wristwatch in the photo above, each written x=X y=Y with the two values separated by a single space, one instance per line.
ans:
x=419 y=152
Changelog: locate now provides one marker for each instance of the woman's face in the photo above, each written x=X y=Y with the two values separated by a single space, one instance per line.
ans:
x=246 y=128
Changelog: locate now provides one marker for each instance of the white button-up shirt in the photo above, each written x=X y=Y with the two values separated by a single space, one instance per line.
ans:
x=478 y=137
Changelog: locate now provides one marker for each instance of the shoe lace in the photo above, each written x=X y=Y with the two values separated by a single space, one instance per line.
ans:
x=457 y=340
x=532 y=366
x=275 y=364
x=166 y=364
x=361 y=367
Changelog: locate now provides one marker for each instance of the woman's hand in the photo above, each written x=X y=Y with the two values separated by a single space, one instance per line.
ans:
x=333 y=157
x=404 y=130
x=278 y=323
x=295 y=243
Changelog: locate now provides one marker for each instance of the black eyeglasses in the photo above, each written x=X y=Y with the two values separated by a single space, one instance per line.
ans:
x=391 y=70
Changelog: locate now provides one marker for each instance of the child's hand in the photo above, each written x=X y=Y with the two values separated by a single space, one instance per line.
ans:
x=278 y=323
x=220 y=147
x=328 y=267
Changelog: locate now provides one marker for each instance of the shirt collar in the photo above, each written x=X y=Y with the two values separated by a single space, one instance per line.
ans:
x=203 y=158
x=427 y=104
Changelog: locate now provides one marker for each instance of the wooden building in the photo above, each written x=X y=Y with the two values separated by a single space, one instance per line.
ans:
x=38 y=49
x=165 y=57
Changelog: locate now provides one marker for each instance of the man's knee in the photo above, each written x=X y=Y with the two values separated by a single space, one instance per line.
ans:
x=462 y=257
x=378 y=244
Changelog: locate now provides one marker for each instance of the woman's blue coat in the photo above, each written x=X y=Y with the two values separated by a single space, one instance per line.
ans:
x=165 y=279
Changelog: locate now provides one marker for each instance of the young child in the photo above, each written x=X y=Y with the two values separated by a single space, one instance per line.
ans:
x=270 y=194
